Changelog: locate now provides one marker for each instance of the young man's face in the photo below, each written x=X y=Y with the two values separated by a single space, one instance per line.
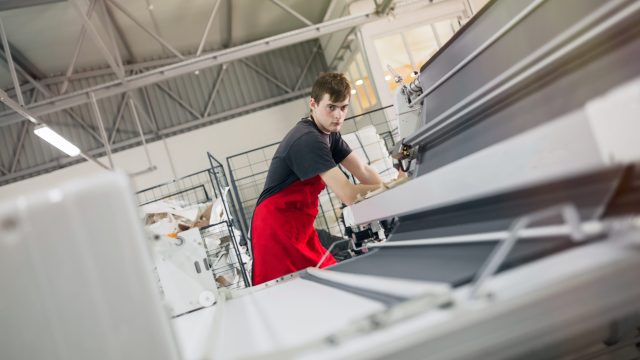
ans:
x=329 y=115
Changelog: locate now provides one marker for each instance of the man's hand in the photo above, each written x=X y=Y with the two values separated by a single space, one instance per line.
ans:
x=345 y=190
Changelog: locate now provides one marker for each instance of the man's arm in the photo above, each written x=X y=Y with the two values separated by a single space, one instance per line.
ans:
x=343 y=188
x=363 y=172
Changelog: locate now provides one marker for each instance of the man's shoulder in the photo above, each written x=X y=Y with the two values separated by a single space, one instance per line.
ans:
x=305 y=131
x=335 y=136
x=305 y=125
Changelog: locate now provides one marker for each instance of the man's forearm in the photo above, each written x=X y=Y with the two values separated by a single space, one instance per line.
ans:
x=370 y=176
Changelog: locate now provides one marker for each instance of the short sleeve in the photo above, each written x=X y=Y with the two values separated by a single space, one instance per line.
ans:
x=309 y=156
x=339 y=149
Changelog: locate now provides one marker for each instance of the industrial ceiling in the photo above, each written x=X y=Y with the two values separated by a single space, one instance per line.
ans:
x=92 y=69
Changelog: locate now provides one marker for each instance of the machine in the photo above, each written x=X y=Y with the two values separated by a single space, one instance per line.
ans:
x=517 y=236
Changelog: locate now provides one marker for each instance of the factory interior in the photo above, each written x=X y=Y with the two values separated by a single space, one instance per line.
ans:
x=326 y=179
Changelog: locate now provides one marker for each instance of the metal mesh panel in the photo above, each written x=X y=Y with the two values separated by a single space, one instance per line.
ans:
x=219 y=179
x=248 y=173
x=196 y=188
x=224 y=258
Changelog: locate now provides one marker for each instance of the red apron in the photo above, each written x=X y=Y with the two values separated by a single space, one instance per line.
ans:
x=283 y=237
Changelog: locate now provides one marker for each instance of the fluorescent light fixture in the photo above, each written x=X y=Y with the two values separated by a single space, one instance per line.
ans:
x=387 y=77
x=353 y=91
x=359 y=82
x=53 y=138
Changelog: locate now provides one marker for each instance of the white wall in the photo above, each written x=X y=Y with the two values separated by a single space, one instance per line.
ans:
x=188 y=151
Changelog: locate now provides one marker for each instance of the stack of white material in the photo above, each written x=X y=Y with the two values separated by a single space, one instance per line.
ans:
x=368 y=145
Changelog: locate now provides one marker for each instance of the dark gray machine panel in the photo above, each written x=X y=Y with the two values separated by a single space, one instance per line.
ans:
x=605 y=61
x=593 y=194
x=453 y=264
x=607 y=57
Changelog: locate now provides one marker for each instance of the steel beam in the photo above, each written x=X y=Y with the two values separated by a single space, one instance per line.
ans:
x=265 y=75
x=214 y=91
x=208 y=27
x=120 y=33
x=180 y=102
x=132 y=108
x=327 y=13
x=19 y=109
x=93 y=160
x=342 y=50
x=103 y=133
x=229 y=42
x=98 y=40
x=22 y=61
x=212 y=118
x=103 y=16
x=202 y=62
x=151 y=115
x=153 y=123
x=159 y=134
x=306 y=67
x=23 y=66
x=18 y=149
x=12 y=68
x=114 y=130
x=23 y=134
x=76 y=51
x=147 y=118
x=128 y=14
x=76 y=118
x=292 y=12
x=37 y=85
x=108 y=129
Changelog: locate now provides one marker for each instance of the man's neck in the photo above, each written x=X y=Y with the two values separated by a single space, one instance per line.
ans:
x=318 y=125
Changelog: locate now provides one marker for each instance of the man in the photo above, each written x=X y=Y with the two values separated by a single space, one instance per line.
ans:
x=284 y=239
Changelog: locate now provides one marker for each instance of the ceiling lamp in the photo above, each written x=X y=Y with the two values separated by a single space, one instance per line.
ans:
x=53 y=138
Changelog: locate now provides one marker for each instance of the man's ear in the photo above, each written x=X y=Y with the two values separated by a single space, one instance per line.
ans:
x=312 y=103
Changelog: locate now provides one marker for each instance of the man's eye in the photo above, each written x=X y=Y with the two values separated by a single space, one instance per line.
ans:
x=332 y=107
x=344 y=108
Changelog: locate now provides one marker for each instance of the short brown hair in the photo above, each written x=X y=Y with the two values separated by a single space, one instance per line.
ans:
x=334 y=84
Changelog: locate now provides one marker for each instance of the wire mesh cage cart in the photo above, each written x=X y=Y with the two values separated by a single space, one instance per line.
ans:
x=225 y=244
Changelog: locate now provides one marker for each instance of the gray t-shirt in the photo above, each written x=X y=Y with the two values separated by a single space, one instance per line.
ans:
x=303 y=153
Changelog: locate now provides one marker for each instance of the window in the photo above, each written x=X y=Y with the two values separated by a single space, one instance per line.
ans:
x=407 y=51
x=363 y=96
